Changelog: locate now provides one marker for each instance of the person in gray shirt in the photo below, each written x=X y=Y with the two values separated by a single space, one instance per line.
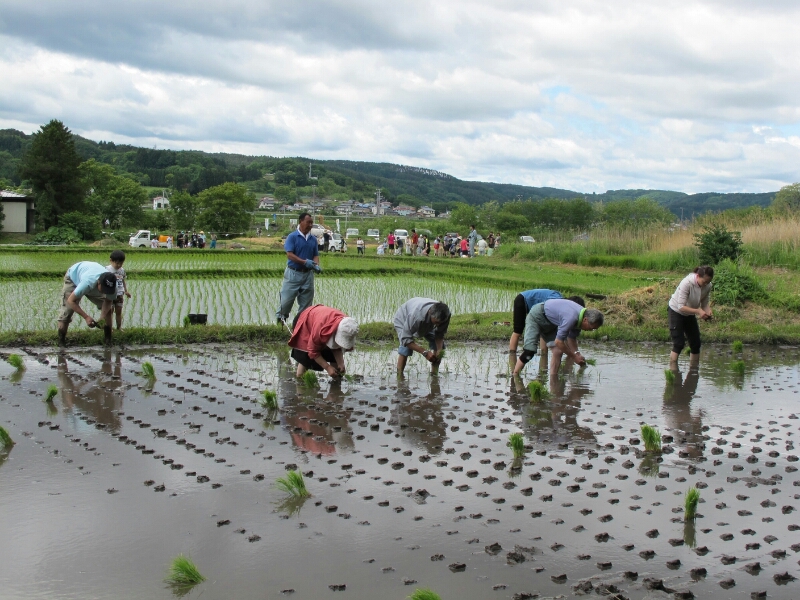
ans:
x=559 y=322
x=421 y=318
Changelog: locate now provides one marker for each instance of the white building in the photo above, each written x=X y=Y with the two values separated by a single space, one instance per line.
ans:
x=160 y=202
x=19 y=212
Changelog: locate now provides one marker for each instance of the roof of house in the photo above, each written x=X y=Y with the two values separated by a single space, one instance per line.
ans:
x=10 y=196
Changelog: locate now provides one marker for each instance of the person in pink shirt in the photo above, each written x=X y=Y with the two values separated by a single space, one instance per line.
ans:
x=320 y=337
x=390 y=241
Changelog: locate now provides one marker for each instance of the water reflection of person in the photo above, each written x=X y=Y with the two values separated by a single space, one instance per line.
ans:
x=678 y=406
x=421 y=421
x=99 y=395
x=329 y=432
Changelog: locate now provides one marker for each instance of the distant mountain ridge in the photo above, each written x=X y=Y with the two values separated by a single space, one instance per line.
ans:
x=430 y=186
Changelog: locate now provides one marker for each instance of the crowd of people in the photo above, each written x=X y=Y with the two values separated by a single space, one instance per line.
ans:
x=447 y=245
x=320 y=335
x=186 y=239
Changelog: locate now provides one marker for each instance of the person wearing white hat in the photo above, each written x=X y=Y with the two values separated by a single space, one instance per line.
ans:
x=320 y=337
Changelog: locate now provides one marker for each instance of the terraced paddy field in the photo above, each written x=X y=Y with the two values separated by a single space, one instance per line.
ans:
x=412 y=482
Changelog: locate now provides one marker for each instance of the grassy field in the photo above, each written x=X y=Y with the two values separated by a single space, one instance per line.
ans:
x=238 y=289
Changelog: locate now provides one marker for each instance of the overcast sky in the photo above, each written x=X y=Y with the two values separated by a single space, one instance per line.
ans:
x=577 y=94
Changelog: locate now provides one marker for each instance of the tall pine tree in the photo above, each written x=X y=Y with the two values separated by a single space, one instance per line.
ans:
x=51 y=166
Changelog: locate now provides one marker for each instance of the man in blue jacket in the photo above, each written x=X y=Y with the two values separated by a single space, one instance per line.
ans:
x=302 y=254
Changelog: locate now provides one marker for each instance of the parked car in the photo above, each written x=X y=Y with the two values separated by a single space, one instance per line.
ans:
x=527 y=239
x=338 y=243
x=351 y=232
x=143 y=238
x=374 y=233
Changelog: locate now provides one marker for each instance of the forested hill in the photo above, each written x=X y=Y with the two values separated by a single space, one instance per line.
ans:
x=195 y=171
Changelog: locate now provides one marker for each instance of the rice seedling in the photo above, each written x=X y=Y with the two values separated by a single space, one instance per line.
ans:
x=738 y=346
x=669 y=376
x=737 y=367
x=293 y=484
x=186 y=321
x=269 y=400
x=52 y=392
x=15 y=360
x=652 y=438
x=517 y=443
x=183 y=572
x=310 y=379
x=148 y=370
x=690 y=503
x=591 y=362
x=5 y=439
x=424 y=594
x=537 y=391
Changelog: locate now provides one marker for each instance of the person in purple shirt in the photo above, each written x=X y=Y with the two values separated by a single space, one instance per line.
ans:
x=523 y=303
x=559 y=322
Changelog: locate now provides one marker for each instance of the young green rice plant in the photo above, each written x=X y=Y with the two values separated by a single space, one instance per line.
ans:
x=537 y=391
x=52 y=392
x=186 y=321
x=293 y=484
x=591 y=362
x=5 y=439
x=183 y=572
x=424 y=594
x=690 y=503
x=652 y=438
x=517 y=443
x=738 y=346
x=737 y=367
x=310 y=379
x=148 y=370
x=669 y=376
x=15 y=360
x=269 y=400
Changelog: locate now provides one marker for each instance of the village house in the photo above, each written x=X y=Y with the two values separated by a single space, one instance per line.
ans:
x=426 y=212
x=160 y=202
x=19 y=212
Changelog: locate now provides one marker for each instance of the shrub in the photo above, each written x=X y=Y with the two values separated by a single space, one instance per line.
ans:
x=716 y=244
x=736 y=284
x=58 y=235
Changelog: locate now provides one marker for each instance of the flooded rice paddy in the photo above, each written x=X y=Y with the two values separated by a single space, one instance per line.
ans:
x=412 y=482
x=34 y=305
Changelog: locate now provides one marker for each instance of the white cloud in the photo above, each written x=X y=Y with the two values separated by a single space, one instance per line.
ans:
x=577 y=94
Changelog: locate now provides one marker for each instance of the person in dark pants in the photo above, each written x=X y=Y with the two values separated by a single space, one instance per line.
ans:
x=690 y=300
x=320 y=337
x=523 y=303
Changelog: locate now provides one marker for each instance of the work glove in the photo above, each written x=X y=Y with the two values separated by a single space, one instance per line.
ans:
x=310 y=264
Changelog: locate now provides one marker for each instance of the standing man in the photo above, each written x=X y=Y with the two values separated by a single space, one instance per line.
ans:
x=89 y=279
x=302 y=254
x=559 y=322
x=326 y=240
x=473 y=239
x=490 y=241
x=425 y=318
x=414 y=241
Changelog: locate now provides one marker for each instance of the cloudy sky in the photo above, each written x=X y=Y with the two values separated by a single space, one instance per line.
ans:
x=578 y=94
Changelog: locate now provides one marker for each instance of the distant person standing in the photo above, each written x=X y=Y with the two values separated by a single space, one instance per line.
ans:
x=326 y=240
x=302 y=254
x=390 y=240
x=213 y=241
x=490 y=243
x=414 y=241
x=690 y=300
x=464 y=247
x=473 y=240
x=482 y=247
x=117 y=259
x=360 y=246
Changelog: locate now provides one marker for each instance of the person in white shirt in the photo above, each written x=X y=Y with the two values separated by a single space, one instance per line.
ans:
x=690 y=300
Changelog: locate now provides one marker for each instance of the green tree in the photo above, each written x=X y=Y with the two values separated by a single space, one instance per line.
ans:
x=716 y=244
x=226 y=208
x=112 y=197
x=787 y=199
x=510 y=223
x=642 y=211
x=183 y=209
x=51 y=166
x=464 y=215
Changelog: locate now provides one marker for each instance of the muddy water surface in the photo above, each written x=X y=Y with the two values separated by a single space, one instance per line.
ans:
x=413 y=484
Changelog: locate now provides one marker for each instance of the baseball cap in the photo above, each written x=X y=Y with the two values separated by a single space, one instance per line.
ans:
x=346 y=333
x=108 y=283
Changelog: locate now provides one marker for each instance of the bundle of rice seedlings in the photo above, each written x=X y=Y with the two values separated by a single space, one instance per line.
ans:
x=52 y=392
x=652 y=438
x=269 y=400
x=669 y=376
x=5 y=439
x=15 y=360
x=738 y=346
x=537 y=391
x=591 y=362
x=424 y=594
x=293 y=484
x=690 y=503
x=517 y=443
x=148 y=370
x=310 y=379
x=183 y=572
x=737 y=367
